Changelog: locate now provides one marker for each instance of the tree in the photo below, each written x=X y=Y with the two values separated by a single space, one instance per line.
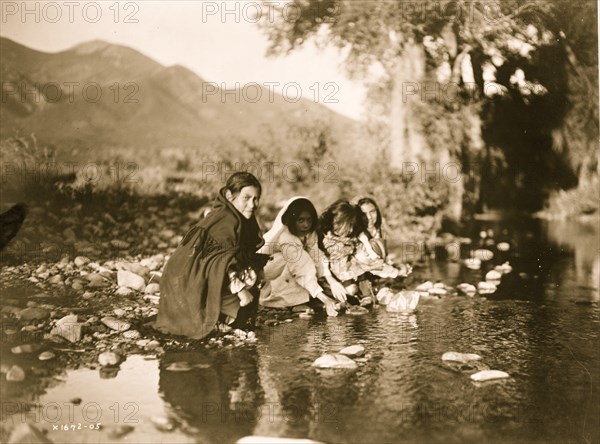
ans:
x=442 y=44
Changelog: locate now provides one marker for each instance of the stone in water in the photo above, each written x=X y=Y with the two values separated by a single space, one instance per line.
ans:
x=334 y=361
x=404 y=302
x=353 y=351
x=488 y=375
x=460 y=357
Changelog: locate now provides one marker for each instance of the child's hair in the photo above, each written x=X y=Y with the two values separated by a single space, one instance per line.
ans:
x=368 y=200
x=240 y=180
x=296 y=208
x=342 y=211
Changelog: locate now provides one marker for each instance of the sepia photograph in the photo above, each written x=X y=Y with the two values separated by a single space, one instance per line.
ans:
x=299 y=221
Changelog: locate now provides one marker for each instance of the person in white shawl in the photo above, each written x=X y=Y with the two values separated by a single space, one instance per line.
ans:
x=291 y=276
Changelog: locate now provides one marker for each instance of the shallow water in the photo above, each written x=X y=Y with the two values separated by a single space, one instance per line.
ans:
x=542 y=327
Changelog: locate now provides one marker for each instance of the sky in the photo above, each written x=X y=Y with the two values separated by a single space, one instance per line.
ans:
x=218 y=40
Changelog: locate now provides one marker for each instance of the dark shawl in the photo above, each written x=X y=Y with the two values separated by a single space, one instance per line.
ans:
x=195 y=276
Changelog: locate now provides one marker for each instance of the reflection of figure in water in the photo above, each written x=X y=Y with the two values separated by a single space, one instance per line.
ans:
x=221 y=397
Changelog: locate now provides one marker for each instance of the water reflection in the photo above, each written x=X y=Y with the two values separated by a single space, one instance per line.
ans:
x=220 y=398
x=541 y=327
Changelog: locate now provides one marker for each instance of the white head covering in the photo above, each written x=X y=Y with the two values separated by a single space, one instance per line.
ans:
x=272 y=236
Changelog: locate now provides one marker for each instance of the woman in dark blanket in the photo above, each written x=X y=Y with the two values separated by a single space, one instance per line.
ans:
x=212 y=275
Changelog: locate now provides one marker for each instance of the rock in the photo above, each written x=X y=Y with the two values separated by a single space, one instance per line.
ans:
x=424 y=287
x=15 y=374
x=88 y=295
x=108 y=372
x=167 y=234
x=119 y=244
x=182 y=366
x=46 y=356
x=152 y=345
x=115 y=324
x=56 y=279
x=505 y=268
x=467 y=289
x=152 y=263
x=486 y=287
x=133 y=267
x=100 y=269
x=460 y=357
x=68 y=328
x=27 y=433
x=273 y=440
x=77 y=286
x=308 y=314
x=120 y=431
x=353 y=351
x=9 y=309
x=488 y=375
x=131 y=334
x=119 y=312
x=69 y=235
x=503 y=246
x=300 y=308
x=142 y=342
x=123 y=291
x=96 y=280
x=334 y=361
x=483 y=254
x=403 y=302
x=493 y=275
x=473 y=263
x=81 y=261
x=163 y=424
x=109 y=359
x=152 y=298
x=25 y=348
x=128 y=279
x=436 y=291
x=356 y=310
x=33 y=314
x=384 y=295
x=152 y=289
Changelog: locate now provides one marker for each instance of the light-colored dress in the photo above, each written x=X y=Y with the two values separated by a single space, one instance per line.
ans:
x=291 y=276
x=348 y=259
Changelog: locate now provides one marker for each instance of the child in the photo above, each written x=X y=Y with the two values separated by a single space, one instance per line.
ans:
x=377 y=230
x=292 y=274
x=348 y=248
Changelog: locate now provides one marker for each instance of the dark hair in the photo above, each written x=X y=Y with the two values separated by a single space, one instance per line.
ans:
x=341 y=209
x=238 y=181
x=368 y=200
x=296 y=208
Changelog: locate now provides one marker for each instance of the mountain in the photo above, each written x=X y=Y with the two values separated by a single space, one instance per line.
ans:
x=100 y=95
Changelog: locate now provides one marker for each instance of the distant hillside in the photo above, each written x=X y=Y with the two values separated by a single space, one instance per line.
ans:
x=166 y=109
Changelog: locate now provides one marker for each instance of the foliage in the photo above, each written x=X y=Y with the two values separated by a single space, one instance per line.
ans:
x=527 y=70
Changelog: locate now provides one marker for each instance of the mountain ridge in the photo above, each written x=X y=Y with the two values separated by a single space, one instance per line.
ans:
x=98 y=94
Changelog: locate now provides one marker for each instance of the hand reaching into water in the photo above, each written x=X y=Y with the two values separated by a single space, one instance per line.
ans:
x=329 y=304
x=337 y=289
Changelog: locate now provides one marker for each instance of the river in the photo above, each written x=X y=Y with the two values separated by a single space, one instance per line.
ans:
x=541 y=326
